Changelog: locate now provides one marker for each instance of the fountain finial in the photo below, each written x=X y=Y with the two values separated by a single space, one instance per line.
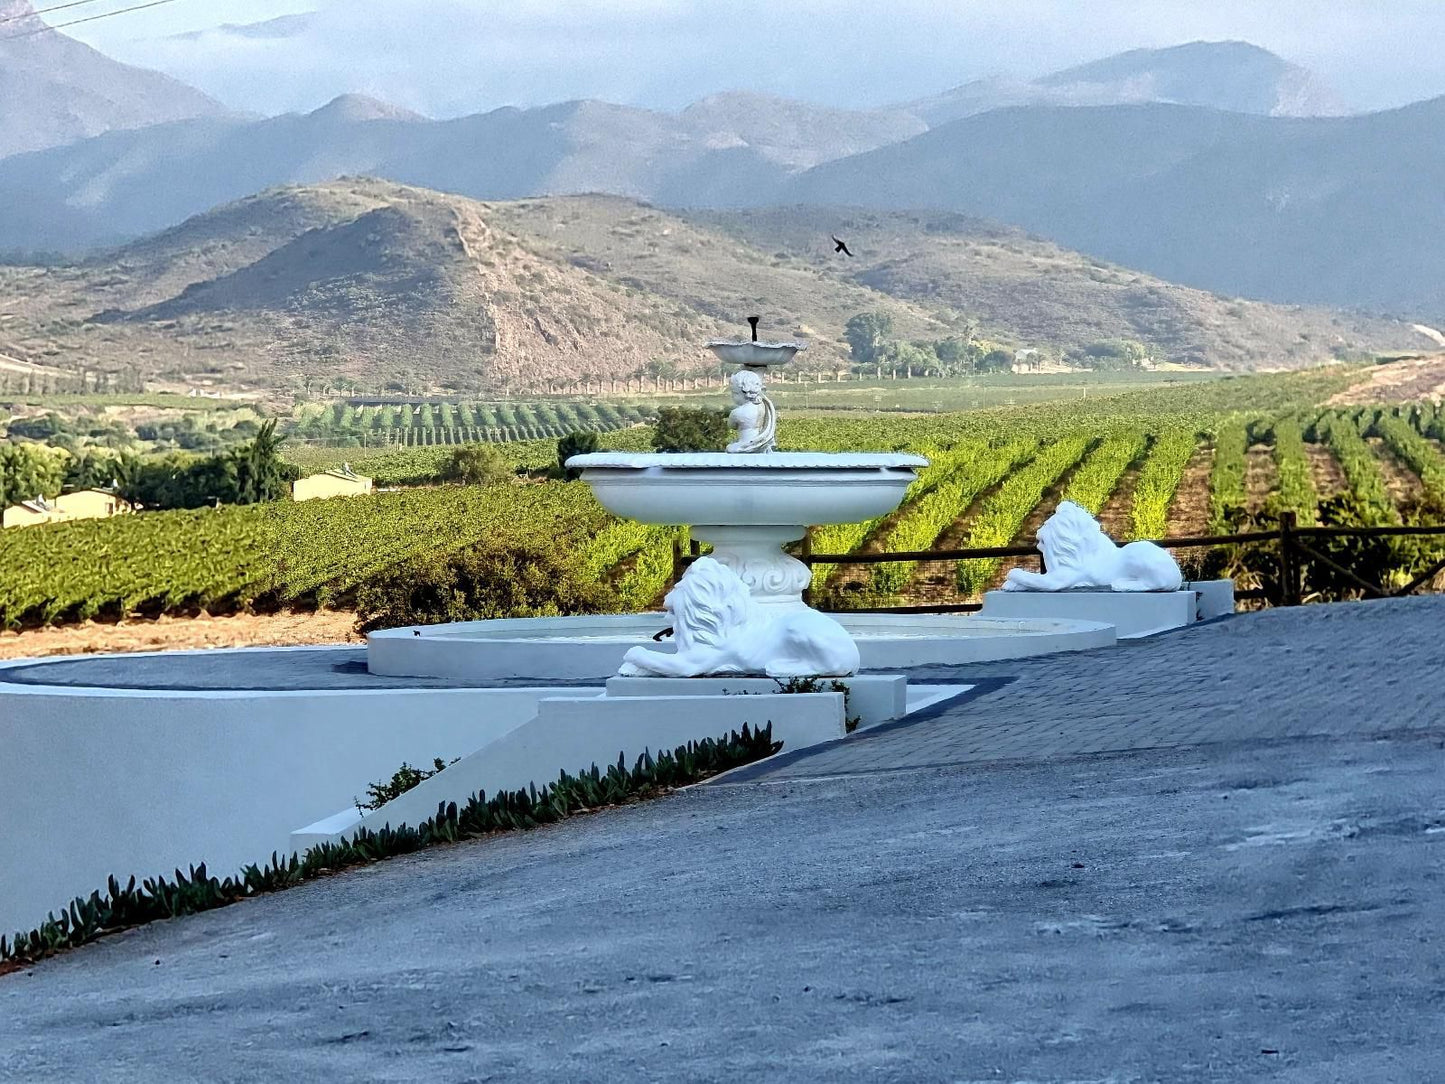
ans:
x=753 y=323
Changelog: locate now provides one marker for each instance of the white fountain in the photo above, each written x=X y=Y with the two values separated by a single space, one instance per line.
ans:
x=748 y=502
x=735 y=635
x=742 y=611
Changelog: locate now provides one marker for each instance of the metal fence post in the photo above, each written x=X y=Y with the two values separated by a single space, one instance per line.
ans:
x=806 y=556
x=1289 y=570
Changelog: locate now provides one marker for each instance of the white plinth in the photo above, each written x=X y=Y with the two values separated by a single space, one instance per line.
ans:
x=122 y=750
x=1132 y=613
x=872 y=698
x=1216 y=597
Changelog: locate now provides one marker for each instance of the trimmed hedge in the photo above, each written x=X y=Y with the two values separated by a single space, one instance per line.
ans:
x=87 y=919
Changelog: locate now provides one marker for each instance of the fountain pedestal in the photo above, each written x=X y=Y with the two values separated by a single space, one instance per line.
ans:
x=775 y=579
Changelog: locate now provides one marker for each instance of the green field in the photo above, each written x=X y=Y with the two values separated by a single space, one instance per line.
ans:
x=1130 y=457
x=436 y=422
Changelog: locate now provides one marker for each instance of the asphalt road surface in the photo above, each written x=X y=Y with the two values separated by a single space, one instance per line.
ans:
x=1084 y=874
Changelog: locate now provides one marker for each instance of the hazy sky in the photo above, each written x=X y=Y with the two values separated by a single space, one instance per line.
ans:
x=445 y=57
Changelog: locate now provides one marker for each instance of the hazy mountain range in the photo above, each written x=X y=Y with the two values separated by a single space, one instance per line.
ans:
x=1342 y=210
x=1216 y=165
x=736 y=147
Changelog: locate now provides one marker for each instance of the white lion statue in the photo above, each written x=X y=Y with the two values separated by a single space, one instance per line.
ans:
x=720 y=629
x=1077 y=553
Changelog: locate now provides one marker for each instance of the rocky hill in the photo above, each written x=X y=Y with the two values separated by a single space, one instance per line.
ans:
x=54 y=90
x=1044 y=294
x=385 y=285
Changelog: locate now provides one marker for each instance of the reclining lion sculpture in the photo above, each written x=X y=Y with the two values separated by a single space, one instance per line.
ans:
x=720 y=629
x=1077 y=553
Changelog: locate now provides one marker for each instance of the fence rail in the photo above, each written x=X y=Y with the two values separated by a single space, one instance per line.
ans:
x=1290 y=539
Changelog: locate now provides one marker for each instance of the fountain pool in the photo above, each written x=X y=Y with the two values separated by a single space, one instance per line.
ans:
x=592 y=648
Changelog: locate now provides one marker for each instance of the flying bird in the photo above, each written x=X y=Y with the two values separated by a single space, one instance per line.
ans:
x=839 y=246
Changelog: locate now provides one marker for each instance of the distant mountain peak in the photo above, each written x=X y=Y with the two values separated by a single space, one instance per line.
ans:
x=55 y=90
x=360 y=107
x=1132 y=61
x=736 y=98
x=1235 y=76
x=277 y=29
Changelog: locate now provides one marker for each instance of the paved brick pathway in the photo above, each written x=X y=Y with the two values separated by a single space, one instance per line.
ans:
x=1360 y=668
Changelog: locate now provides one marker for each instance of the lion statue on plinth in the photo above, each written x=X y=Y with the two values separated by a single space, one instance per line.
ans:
x=1077 y=553
x=720 y=629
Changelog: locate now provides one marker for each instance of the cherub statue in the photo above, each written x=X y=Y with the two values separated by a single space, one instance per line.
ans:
x=753 y=417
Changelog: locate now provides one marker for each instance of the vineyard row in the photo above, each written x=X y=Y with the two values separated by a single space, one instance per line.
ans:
x=424 y=424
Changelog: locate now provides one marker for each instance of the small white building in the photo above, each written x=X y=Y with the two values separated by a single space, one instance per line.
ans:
x=342 y=482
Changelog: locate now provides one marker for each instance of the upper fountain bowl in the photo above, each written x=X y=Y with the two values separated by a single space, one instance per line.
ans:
x=754 y=355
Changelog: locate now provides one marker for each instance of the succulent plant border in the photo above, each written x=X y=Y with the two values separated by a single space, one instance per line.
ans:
x=123 y=906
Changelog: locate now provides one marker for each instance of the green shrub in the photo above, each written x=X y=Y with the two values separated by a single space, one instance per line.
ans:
x=478 y=465
x=682 y=429
x=574 y=443
x=92 y=917
x=402 y=780
x=495 y=578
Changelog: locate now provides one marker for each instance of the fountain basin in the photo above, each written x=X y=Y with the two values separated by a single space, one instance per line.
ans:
x=778 y=489
x=749 y=505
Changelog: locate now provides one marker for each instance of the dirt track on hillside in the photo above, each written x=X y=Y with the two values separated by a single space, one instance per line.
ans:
x=1404 y=381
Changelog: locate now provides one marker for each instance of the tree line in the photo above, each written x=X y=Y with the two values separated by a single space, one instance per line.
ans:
x=872 y=344
x=247 y=474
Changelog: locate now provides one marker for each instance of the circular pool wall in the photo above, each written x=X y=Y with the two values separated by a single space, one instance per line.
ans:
x=591 y=648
